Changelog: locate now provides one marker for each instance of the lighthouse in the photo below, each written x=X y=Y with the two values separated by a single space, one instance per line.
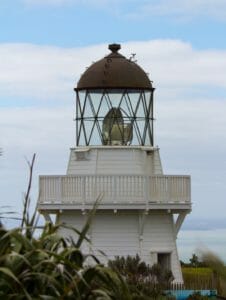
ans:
x=115 y=160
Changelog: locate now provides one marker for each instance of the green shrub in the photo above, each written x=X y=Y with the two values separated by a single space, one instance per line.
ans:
x=140 y=277
x=51 y=267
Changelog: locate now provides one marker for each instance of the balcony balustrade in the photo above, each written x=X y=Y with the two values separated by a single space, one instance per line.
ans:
x=114 y=189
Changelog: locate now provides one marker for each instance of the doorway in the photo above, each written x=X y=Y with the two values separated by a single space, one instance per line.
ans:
x=164 y=260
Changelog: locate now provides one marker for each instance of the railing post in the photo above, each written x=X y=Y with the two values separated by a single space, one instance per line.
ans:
x=169 y=189
x=42 y=191
x=95 y=185
x=189 y=189
x=146 y=186
x=114 y=189
x=83 y=190
x=59 y=190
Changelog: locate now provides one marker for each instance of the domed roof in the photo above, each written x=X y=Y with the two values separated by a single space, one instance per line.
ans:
x=114 y=71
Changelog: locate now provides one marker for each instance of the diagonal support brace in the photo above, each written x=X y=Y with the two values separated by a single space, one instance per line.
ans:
x=179 y=222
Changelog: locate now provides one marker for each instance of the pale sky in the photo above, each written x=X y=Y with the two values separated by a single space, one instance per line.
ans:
x=45 y=46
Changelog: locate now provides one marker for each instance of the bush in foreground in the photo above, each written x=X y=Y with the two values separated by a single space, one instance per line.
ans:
x=141 y=278
x=50 y=267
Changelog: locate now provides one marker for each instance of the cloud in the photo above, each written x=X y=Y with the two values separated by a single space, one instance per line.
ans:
x=41 y=71
x=48 y=132
x=176 y=64
x=37 y=125
x=192 y=241
x=177 y=9
x=203 y=224
x=181 y=10
x=47 y=72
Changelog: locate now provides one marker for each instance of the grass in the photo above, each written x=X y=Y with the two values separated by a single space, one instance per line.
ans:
x=197 y=271
x=199 y=278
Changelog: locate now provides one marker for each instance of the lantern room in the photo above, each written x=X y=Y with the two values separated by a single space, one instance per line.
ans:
x=114 y=103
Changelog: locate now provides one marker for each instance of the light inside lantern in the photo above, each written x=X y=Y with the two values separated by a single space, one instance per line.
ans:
x=115 y=131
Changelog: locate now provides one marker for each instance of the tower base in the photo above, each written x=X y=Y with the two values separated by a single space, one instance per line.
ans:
x=121 y=233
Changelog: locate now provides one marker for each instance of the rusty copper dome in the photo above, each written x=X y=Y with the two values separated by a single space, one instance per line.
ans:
x=114 y=71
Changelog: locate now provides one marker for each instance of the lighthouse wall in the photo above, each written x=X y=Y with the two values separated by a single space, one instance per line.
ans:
x=114 y=160
x=123 y=233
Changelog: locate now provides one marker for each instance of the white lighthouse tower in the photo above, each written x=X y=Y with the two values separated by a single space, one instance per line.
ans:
x=141 y=209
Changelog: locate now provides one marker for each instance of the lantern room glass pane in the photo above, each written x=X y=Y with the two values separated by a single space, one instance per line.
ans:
x=114 y=117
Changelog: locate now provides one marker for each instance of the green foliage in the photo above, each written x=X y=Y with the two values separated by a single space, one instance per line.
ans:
x=194 y=260
x=143 y=281
x=51 y=267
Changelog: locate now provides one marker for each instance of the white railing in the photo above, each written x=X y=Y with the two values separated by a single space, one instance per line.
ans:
x=136 y=189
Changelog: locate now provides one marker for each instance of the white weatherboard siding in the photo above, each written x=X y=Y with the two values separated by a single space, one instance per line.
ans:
x=159 y=237
x=125 y=233
x=114 y=160
x=116 y=234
